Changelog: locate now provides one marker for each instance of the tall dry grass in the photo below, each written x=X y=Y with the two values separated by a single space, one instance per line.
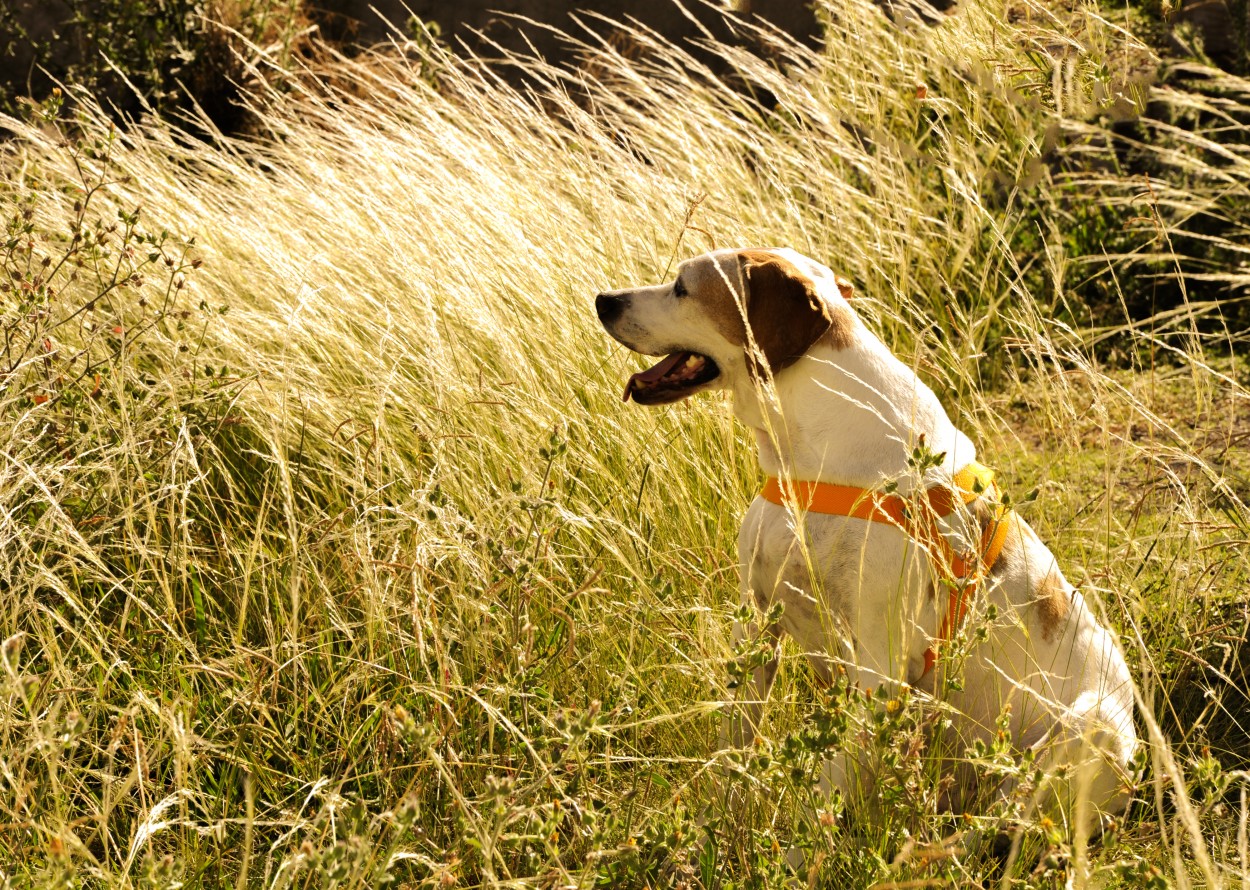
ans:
x=331 y=558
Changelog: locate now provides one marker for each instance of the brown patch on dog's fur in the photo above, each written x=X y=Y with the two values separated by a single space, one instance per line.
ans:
x=841 y=325
x=845 y=288
x=785 y=314
x=721 y=306
x=1051 y=597
x=1053 y=602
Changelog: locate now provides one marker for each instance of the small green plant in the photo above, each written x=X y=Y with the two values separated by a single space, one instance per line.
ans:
x=78 y=301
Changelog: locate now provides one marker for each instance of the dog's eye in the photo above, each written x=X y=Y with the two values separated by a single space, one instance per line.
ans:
x=679 y=289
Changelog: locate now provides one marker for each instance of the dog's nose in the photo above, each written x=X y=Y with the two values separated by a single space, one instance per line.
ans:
x=609 y=307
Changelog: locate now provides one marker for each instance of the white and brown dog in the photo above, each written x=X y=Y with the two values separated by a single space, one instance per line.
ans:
x=863 y=582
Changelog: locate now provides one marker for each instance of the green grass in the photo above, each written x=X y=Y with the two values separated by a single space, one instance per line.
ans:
x=331 y=557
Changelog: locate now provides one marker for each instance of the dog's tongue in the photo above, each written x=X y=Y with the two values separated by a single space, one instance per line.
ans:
x=654 y=373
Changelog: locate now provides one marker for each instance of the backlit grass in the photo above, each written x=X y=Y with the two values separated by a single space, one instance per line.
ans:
x=330 y=556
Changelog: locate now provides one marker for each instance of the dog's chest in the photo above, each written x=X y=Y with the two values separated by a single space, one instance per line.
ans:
x=838 y=579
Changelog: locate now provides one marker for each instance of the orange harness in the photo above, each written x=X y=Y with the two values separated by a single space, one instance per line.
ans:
x=961 y=573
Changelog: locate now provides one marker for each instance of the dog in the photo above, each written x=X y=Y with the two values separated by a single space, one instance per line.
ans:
x=878 y=528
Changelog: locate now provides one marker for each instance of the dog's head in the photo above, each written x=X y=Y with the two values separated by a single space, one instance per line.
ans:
x=727 y=313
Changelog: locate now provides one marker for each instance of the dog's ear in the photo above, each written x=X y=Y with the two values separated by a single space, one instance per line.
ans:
x=784 y=313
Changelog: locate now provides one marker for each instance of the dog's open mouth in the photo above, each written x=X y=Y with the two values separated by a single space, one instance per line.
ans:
x=671 y=379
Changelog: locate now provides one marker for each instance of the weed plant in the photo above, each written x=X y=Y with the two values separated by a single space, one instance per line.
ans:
x=330 y=557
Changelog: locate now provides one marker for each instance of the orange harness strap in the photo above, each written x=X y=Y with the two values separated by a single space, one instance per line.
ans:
x=960 y=573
